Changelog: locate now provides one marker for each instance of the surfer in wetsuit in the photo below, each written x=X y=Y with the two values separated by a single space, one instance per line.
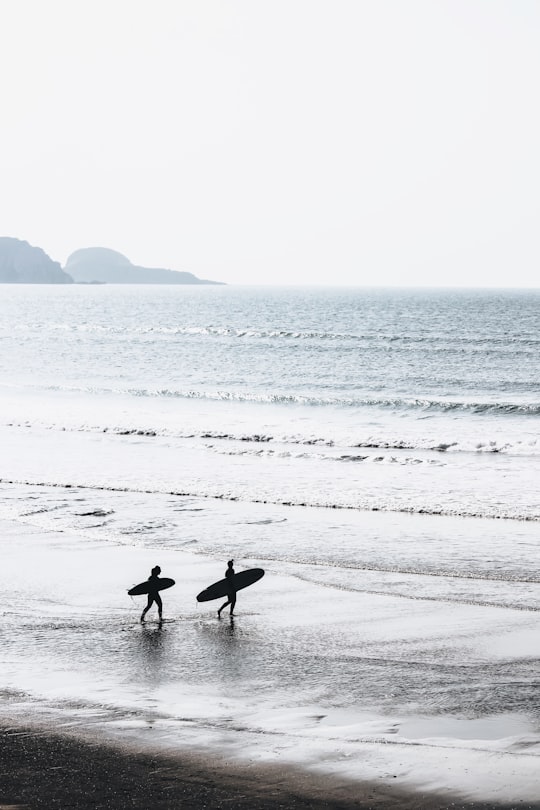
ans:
x=229 y=576
x=153 y=595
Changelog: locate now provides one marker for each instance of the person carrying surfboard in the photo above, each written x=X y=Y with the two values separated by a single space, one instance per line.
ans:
x=153 y=595
x=231 y=592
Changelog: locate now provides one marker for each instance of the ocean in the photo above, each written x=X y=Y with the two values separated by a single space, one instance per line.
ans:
x=376 y=451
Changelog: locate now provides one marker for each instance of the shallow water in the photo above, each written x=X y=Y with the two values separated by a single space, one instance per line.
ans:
x=321 y=660
x=376 y=453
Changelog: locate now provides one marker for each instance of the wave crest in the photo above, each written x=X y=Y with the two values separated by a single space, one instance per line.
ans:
x=397 y=403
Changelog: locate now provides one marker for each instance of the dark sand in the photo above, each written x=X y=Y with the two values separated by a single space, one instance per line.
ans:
x=39 y=769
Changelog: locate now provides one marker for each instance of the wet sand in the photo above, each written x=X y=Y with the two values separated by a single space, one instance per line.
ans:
x=40 y=769
x=310 y=698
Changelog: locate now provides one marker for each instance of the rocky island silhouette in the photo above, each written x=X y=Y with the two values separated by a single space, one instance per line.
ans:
x=22 y=263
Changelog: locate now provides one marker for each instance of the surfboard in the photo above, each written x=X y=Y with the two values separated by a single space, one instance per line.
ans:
x=221 y=588
x=144 y=587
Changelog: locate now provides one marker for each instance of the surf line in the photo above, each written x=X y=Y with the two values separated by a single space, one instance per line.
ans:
x=412 y=597
x=235 y=498
x=381 y=569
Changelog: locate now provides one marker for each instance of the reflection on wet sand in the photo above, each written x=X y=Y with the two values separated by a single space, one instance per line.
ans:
x=150 y=651
x=225 y=649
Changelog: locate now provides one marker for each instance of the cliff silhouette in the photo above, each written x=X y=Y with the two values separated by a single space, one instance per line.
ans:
x=99 y=264
x=20 y=263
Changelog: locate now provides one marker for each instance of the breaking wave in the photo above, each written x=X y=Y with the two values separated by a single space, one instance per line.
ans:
x=446 y=342
x=230 y=443
x=414 y=404
x=367 y=505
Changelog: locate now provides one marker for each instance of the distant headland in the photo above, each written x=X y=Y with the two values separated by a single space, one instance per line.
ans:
x=21 y=263
x=98 y=264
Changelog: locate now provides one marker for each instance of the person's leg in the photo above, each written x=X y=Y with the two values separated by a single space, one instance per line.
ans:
x=159 y=604
x=147 y=608
x=224 y=605
x=230 y=601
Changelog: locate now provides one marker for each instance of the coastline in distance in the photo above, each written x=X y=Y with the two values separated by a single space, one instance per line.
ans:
x=21 y=263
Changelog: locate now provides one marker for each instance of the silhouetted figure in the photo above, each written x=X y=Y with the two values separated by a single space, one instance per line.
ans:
x=153 y=594
x=229 y=576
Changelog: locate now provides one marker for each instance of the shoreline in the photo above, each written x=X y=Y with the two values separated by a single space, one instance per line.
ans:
x=43 y=768
x=290 y=706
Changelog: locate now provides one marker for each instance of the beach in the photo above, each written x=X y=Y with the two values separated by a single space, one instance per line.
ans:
x=42 y=769
x=375 y=453
x=290 y=684
x=47 y=770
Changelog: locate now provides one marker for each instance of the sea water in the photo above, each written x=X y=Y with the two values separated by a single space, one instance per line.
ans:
x=376 y=451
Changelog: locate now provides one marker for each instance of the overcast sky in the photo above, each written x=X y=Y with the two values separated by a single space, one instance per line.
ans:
x=277 y=141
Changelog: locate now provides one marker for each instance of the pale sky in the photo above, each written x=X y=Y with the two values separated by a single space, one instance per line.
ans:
x=277 y=141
